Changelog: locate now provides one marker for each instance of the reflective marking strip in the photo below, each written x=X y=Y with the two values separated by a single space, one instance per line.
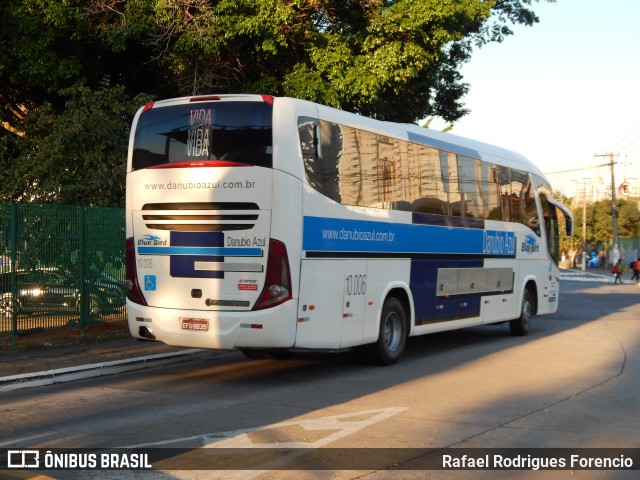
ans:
x=228 y=267
x=214 y=251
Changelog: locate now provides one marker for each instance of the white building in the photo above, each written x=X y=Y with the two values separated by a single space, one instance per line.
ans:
x=594 y=184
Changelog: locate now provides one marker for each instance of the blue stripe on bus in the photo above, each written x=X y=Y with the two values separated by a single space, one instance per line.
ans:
x=430 y=308
x=343 y=235
x=184 y=265
x=197 y=239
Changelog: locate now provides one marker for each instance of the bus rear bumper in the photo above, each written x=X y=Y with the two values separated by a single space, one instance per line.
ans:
x=271 y=328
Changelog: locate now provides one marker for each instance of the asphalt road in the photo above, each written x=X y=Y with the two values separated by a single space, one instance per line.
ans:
x=573 y=382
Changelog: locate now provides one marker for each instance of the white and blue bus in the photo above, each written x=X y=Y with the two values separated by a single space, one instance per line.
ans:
x=273 y=225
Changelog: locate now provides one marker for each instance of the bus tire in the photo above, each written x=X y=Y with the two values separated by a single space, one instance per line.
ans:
x=392 y=336
x=520 y=326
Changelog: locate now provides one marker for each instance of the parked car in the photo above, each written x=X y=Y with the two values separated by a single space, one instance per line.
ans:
x=55 y=290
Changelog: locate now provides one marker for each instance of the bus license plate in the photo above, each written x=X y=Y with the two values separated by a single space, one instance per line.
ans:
x=197 y=324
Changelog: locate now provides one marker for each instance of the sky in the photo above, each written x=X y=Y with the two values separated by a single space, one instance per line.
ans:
x=563 y=91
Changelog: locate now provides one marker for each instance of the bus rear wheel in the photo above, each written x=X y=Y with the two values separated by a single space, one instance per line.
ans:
x=392 y=336
x=520 y=326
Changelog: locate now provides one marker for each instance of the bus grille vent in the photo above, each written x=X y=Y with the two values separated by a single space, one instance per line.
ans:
x=200 y=216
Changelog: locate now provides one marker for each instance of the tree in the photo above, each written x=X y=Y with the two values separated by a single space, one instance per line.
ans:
x=568 y=243
x=64 y=127
x=47 y=46
x=599 y=222
x=76 y=156
x=391 y=59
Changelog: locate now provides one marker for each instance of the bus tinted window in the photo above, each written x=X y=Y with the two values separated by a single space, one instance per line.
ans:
x=356 y=167
x=550 y=216
x=233 y=131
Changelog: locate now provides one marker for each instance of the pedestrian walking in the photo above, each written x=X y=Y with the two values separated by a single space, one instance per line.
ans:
x=618 y=270
x=635 y=267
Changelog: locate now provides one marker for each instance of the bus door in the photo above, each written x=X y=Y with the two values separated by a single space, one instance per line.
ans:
x=332 y=303
x=551 y=212
x=353 y=302
x=319 y=307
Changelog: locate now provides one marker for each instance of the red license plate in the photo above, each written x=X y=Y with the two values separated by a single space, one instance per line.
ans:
x=197 y=324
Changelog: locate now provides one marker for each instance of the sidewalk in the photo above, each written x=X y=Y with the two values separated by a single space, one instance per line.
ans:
x=593 y=275
x=589 y=275
x=57 y=365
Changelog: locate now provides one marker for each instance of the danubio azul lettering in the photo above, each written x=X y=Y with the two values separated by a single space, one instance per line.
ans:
x=189 y=185
x=358 y=235
x=366 y=235
x=498 y=243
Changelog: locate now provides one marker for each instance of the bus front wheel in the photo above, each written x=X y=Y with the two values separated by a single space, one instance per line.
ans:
x=520 y=326
x=392 y=337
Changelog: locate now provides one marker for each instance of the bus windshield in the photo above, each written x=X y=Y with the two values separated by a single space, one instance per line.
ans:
x=238 y=132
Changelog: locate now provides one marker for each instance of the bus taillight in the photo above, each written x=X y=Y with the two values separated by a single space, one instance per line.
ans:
x=134 y=293
x=277 y=286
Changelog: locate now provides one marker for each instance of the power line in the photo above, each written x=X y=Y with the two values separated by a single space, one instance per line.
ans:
x=625 y=137
x=568 y=171
x=633 y=149
x=578 y=169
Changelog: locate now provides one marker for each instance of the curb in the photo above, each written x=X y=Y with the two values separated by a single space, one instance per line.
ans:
x=69 y=374
x=584 y=276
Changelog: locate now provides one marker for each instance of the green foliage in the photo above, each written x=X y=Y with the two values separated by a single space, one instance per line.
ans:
x=396 y=60
x=77 y=156
x=64 y=128
x=599 y=222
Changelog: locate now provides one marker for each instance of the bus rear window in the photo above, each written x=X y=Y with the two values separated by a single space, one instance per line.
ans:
x=232 y=131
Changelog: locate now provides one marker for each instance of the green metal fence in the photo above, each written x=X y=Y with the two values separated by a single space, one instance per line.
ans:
x=60 y=266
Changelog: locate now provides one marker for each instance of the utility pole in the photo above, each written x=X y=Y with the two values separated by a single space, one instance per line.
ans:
x=584 y=220
x=614 y=206
x=584 y=226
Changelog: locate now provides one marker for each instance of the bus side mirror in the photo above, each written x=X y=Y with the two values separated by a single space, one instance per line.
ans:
x=568 y=216
x=569 y=224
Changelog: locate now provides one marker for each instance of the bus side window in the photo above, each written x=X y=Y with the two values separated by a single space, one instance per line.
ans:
x=321 y=146
x=306 y=136
x=331 y=151
x=550 y=217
